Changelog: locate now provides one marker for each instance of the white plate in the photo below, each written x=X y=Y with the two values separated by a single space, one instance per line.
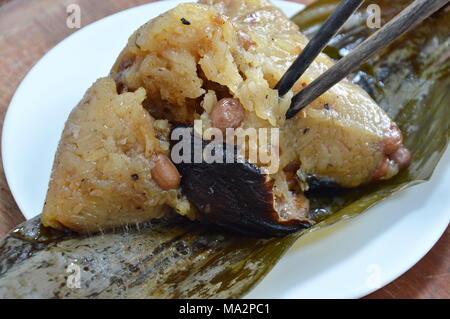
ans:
x=348 y=260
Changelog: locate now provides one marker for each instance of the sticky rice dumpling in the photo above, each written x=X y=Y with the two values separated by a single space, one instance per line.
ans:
x=217 y=61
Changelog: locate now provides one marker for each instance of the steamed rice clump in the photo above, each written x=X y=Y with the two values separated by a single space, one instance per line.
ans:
x=102 y=172
x=173 y=70
x=197 y=53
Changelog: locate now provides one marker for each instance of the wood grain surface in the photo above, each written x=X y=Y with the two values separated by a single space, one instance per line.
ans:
x=28 y=29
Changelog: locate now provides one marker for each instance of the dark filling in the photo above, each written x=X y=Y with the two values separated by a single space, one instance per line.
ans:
x=236 y=196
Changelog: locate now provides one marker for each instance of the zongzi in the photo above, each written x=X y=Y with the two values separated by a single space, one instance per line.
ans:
x=216 y=62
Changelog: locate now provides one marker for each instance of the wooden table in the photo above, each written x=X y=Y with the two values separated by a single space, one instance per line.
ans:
x=28 y=29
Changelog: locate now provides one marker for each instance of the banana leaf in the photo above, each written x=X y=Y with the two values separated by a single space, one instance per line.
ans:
x=175 y=258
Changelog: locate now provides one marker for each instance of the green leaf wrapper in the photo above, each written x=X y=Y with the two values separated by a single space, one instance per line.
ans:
x=173 y=258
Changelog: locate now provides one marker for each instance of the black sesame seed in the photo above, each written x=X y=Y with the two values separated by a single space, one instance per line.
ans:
x=185 y=22
x=306 y=130
x=135 y=177
x=326 y=106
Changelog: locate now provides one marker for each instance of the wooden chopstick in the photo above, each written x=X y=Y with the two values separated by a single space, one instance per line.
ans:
x=331 y=26
x=404 y=21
